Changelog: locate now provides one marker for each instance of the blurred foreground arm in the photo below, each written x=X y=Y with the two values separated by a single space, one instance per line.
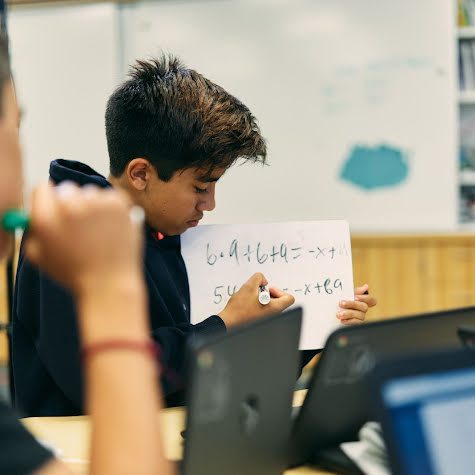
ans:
x=71 y=232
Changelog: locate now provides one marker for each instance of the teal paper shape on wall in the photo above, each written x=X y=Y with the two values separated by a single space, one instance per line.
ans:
x=376 y=167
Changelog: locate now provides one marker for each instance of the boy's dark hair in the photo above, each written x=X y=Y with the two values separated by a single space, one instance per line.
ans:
x=5 y=71
x=176 y=119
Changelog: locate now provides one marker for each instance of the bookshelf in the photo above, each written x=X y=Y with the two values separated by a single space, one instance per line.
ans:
x=466 y=108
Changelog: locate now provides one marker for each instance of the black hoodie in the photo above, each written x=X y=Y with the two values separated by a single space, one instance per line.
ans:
x=46 y=357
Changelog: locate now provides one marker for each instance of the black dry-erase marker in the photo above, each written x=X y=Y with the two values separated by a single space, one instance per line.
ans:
x=264 y=295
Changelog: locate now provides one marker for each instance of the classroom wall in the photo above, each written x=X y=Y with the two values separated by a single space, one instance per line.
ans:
x=65 y=63
x=356 y=98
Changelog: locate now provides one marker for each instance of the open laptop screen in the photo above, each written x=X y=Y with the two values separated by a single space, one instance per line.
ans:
x=433 y=421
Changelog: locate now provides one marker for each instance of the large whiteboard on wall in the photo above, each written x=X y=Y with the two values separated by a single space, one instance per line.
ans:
x=66 y=62
x=355 y=97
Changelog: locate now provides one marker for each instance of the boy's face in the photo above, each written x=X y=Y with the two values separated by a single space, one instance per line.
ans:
x=11 y=172
x=174 y=206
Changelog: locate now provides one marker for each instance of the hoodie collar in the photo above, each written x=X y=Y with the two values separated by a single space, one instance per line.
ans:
x=80 y=173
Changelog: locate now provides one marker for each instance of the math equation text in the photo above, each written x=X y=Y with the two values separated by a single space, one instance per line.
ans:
x=280 y=252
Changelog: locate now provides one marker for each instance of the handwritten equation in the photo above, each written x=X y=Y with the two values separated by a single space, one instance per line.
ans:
x=325 y=287
x=280 y=252
x=310 y=260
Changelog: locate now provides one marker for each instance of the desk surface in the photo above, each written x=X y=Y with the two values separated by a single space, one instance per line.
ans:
x=71 y=436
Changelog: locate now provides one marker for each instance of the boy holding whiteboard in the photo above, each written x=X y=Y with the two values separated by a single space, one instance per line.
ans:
x=171 y=135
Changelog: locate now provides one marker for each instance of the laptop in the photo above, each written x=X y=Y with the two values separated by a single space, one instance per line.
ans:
x=466 y=334
x=426 y=405
x=337 y=403
x=240 y=399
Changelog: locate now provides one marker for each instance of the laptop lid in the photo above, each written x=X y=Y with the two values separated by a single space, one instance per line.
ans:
x=337 y=403
x=426 y=405
x=240 y=398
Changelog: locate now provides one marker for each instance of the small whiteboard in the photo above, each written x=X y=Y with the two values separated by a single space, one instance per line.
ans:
x=310 y=260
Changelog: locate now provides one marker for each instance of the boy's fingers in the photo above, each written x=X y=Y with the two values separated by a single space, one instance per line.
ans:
x=257 y=279
x=345 y=314
x=288 y=300
x=361 y=290
x=350 y=314
x=275 y=292
x=280 y=300
x=369 y=300
x=354 y=305
x=351 y=321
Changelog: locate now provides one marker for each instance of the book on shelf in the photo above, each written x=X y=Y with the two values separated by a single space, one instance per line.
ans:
x=467 y=145
x=467 y=65
x=466 y=12
x=467 y=204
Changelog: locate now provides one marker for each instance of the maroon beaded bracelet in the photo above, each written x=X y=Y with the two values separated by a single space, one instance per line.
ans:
x=148 y=347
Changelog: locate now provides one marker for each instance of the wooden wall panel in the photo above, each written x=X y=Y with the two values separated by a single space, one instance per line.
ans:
x=408 y=274
x=432 y=276
x=412 y=274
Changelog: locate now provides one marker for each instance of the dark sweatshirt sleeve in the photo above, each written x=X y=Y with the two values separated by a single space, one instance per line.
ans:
x=46 y=352
x=173 y=341
x=210 y=326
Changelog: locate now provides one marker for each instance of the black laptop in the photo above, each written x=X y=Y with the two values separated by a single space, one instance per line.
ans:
x=240 y=399
x=337 y=402
x=426 y=404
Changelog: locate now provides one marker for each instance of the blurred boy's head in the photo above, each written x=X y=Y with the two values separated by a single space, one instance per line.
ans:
x=11 y=174
x=171 y=134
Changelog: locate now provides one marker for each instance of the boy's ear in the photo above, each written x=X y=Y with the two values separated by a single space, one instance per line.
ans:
x=139 y=172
